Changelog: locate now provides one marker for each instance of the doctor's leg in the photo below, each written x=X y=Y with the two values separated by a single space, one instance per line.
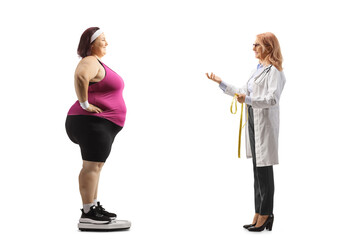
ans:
x=257 y=195
x=266 y=181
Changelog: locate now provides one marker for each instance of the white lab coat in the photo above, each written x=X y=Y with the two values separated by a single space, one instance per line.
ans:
x=267 y=88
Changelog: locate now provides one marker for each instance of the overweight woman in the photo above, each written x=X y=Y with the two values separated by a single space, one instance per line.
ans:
x=261 y=94
x=94 y=119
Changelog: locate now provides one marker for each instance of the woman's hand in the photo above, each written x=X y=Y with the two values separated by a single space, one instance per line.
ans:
x=214 y=78
x=241 y=98
x=93 y=108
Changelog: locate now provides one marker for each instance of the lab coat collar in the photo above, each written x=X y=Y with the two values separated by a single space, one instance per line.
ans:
x=262 y=71
x=268 y=67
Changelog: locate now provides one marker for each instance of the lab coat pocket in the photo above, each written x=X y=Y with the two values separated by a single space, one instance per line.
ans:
x=270 y=117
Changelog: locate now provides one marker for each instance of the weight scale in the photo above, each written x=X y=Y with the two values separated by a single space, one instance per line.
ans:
x=114 y=225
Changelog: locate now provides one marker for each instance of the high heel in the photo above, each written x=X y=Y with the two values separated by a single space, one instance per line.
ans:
x=268 y=224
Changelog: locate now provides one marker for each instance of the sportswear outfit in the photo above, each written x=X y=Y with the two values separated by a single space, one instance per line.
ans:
x=95 y=132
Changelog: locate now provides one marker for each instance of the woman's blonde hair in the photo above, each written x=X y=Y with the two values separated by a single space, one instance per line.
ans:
x=270 y=45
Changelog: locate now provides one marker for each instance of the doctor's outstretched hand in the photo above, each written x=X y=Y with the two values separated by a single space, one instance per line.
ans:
x=214 y=78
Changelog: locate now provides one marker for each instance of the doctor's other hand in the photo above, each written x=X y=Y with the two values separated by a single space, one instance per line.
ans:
x=214 y=78
x=241 y=98
x=93 y=108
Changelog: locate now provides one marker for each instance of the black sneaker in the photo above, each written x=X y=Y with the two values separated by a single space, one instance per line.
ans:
x=93 y=216
x=102 y=211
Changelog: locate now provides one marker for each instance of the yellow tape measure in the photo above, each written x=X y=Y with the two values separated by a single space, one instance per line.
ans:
x=231 y=110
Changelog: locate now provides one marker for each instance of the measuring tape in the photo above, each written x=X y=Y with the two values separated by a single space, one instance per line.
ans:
x=231 y=110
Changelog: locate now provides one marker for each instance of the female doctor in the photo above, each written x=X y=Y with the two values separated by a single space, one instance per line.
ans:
x=261 y=94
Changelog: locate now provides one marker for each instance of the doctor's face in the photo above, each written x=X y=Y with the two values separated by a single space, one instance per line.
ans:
x=257 y=49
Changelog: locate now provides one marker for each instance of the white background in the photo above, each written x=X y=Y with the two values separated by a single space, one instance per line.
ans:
x=173 y=170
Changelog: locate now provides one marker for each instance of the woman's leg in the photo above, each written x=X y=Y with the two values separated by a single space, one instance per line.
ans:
x=266 y=182
x=257 y=196
x=88 y=180
x=98 y=179
x=263 y=181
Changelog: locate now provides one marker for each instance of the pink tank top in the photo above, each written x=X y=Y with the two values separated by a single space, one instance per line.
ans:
x=107 y=95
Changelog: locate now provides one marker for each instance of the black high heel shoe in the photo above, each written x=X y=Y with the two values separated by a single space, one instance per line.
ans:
x=267 y=224
x=249 y=225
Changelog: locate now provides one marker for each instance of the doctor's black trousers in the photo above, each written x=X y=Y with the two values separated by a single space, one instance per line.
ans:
x=263 y=176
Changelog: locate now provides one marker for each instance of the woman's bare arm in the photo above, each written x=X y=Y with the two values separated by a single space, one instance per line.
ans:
x=86 y=70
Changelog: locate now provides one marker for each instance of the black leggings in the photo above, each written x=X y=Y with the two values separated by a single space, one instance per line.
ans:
x=94 y=135
x=263 y=176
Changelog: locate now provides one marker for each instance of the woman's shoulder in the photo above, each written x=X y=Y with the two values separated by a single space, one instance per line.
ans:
x=89 y=60
x=275 y=73
x=275 y=69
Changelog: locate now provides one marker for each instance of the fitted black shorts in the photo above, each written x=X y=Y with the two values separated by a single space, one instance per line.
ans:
x=94 y=135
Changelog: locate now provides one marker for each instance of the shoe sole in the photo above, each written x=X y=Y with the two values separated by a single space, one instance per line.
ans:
x=112 y=226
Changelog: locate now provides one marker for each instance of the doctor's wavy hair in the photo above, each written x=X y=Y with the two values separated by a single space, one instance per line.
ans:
x=269 y=44
x=84 y=47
